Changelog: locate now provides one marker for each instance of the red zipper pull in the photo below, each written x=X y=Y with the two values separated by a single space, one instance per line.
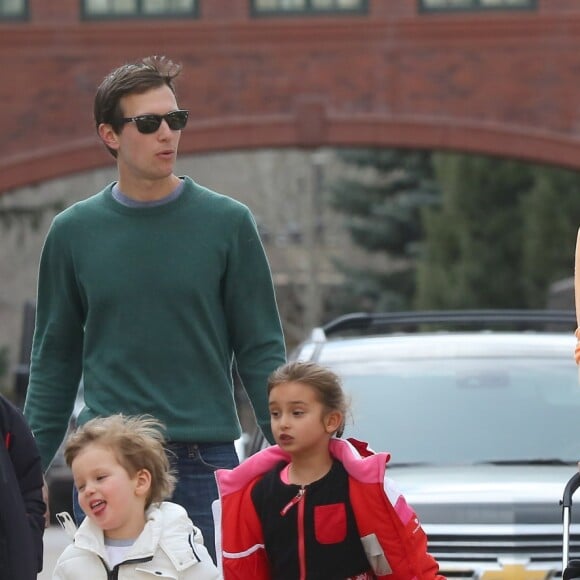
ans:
x=293 y=501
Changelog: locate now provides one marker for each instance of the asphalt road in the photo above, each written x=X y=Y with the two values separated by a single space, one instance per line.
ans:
x=55 y=540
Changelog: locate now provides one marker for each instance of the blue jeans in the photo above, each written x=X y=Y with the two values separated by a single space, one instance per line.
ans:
x=196 y=489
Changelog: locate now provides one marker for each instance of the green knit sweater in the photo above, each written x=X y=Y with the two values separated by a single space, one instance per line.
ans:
x=151 y=305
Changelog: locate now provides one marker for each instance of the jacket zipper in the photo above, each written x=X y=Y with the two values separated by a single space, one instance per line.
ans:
x=114 y=573
x=297 y=499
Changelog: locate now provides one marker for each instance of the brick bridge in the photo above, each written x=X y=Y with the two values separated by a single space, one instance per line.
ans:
x=498 y=82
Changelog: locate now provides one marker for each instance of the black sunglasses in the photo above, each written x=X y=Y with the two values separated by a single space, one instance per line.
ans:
x=150 y=123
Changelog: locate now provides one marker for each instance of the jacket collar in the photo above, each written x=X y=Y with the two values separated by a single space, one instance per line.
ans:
x=360 y=463
x=167 y=527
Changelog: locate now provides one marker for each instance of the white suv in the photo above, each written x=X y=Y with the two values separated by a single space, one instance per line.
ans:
x=481 y=412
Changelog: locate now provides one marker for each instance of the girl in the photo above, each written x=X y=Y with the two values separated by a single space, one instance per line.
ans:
x=122 y=474
x=314 y=506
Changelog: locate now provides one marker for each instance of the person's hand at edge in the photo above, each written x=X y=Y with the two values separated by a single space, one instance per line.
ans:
x=577 y=296
x=45 y=498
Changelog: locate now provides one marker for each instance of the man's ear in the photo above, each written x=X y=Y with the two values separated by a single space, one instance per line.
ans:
x=142 y=482
x=108 y=136
x=332 y=421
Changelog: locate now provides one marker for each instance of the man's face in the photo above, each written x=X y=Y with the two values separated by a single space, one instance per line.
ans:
x=145 y=157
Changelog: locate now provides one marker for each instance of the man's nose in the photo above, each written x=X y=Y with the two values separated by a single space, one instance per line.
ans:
x=164 y=131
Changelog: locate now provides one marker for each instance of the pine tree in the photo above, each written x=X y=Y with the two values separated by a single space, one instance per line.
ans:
x=551 y=216
x=505 y=231
x=459 y=230
x=382 y=204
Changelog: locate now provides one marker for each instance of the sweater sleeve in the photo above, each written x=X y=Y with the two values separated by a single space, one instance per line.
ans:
x=252 y=315
x=407 y=543
x=60 y=571
x=242 y=554
x=28 y=471
x=55 y=366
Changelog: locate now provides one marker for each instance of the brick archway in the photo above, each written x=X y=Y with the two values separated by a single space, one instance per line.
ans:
x=500 y=141
x=503 y=83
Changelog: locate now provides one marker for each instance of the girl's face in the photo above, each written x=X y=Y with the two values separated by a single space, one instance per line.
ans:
x=300 y=423
x=108 y=495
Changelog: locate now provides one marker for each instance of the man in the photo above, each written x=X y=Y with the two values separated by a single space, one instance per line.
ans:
x=152 y=289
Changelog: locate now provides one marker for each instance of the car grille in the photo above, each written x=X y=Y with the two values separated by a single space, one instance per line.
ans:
x=469 y=556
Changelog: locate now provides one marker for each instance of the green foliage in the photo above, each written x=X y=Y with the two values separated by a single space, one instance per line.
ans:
x=459 y=231
x=551 y=216
x=383 y=214
x=370 y=290
x=505 y=231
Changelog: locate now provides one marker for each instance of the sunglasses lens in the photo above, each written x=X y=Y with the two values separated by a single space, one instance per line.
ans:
x=148 y=123
x=177 y=120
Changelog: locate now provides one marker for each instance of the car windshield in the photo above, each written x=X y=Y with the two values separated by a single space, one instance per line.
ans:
x=465 y=410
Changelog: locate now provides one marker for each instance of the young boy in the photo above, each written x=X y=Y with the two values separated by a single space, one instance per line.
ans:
x=122 y=474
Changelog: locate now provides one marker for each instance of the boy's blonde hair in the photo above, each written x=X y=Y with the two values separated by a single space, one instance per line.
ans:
x=137 y=443
x=326 y=384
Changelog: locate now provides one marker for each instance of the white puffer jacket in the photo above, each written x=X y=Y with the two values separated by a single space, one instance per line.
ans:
x=168 y=547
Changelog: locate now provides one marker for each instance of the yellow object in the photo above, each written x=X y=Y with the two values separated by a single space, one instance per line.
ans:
x=516 y=572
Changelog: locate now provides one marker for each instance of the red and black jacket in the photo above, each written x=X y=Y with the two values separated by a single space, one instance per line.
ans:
x=317 y=520
x=391 y=535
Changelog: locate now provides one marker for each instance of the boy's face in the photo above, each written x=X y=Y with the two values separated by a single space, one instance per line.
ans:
x=108 y=495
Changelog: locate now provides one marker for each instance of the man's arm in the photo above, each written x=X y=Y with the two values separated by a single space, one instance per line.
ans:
x=56 y=359
x=25 y=460
x=253 y=319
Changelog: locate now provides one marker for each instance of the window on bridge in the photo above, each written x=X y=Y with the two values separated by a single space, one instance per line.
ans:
x=456 y=5
x=101 y=9
x=13 y=9
x=301 y=7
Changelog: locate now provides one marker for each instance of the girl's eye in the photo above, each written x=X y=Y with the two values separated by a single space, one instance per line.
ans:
x=101 y=477
x=274 y=414
x=298 y=413
x=80 y=487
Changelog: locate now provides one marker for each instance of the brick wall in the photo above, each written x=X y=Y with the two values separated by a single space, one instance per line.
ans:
x=500 y=82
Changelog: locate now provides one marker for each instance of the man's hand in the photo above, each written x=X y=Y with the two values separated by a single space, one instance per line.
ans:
x=45 y=499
